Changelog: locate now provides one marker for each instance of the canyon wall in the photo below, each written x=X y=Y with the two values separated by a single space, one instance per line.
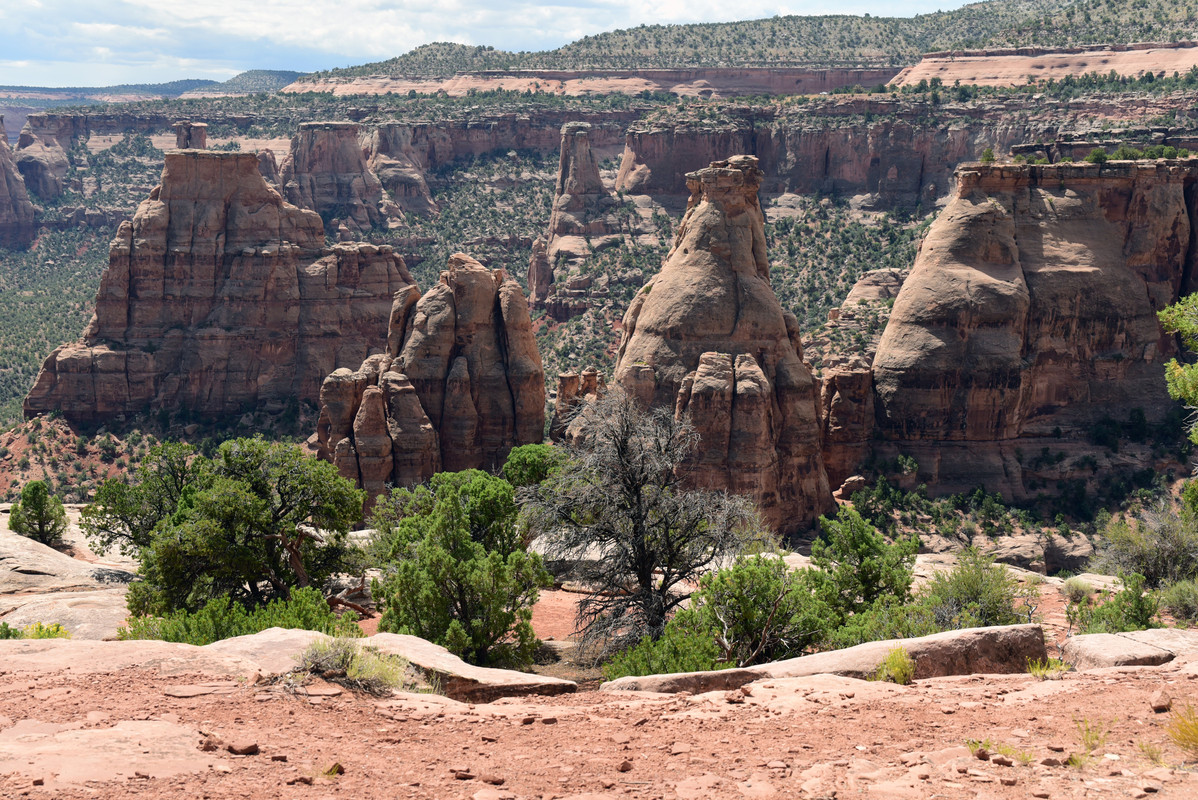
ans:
x=219 y=296
x=326 y=171
x=1029 y=321
x=708 y=338
x=16 y=210
x=459 y=384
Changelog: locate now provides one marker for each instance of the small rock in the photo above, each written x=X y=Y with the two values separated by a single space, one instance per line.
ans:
x=1040 y=793
x=1001 y=760
x=1007 y=781
x=39 y=781
x=1151 y=788
x=981 y=754
x=528 y=720
x=463 y=776
x=304 y=779
x=548 y=720
x=244 y=747
x=680 y=748
x=279 y=757
x=334 y=769
x=494 y=780
x=625 y=766
x=1160 y=701
x=1057 y=748
x=776 y=764
x=1049 y=761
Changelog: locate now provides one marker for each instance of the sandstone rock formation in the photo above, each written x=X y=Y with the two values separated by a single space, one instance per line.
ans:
x=191 y=135
x=326 y=171
x=459 y=385
x=16 y=211
x=1030 y=316
x=582 y=220
x=708 y=337
x=42 y=160
x=220 y=295
x=573 y=391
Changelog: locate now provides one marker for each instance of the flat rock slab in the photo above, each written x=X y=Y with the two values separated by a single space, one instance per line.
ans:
x=66 y=754
x=201 y=689
x=1137 y=648
x=92 y=657
x=28 y=566
x=276 y=651
x=1004 y=649
x=461 y=681
x=95 y=614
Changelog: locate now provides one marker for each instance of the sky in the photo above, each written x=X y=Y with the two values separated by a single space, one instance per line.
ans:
x=105 y=42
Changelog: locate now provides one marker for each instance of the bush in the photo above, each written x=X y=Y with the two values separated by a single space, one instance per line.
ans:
x=220 y=618
x=346 y=662
x=531 y=464
x=460 y=576
x=862 y=567
x=753 y=612
x=38 y=630
x=1097 y=156
x=976 y=592
x=1130 y=609
x=898 y=667
x=1183 y=730
x=38 y=515
x=1159 y=543
x=1181 y=600
x=1076 y=590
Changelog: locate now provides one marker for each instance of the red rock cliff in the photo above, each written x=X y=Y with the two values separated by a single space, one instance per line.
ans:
x=1030 y=315
x=708 y=337
x=219 y=295
x=460 y=384
x=16 y=211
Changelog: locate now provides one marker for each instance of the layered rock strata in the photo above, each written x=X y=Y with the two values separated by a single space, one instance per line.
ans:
x=16 y=210
x=219 y=295
x=1030 y=317
x=459 y=384
x=191 y=135
x=327 y=172
x=42 y=160
x=708 y=338
x=574 y=391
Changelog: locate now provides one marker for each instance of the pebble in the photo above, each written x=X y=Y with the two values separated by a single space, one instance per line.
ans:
x=243 y=747
x=1160 y=701
x=625 y=766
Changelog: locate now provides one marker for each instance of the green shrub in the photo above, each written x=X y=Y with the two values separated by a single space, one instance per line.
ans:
x=1048 y=669
x=221 y=618
x=348 y=663
x=38 y=515
x=1159 y=543
x=1130 y=609
x=860 y=564
x=976 y=592
x=531 y=464
x=898 y=667
x=460 y=576
x=1181 y=600
x=1097 y=156
x=681 y=648
x=38 y=630
x=1076 y=590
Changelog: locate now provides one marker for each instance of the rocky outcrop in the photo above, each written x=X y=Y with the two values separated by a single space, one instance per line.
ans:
x=191 y=135
x=220 y=295
x=1029 y=319
x=326 y=171
x=582 y=220
x=459 y=385
x=16 y=211
x=708 y=337
x=574 y=391
x=43 y=162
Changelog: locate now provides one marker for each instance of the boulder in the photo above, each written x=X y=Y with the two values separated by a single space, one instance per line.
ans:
x=1006 y=649
x=220 y=296
x=1137 y=648
x=461 y=681
x=708 y=338
x=460 y=385
x=29 y=567
x=275 y=651
x=97 y=614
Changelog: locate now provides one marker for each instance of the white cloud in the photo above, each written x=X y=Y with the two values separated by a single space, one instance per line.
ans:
x=212 y=37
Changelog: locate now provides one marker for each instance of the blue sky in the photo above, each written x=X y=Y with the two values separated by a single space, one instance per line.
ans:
x=104 y=42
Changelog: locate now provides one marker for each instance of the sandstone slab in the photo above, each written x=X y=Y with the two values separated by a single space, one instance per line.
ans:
x=66 y=754
x=275 y=651
x=461 y=681
x=1003 y=649
x=1136 y=648
x=85 y=657
x=95 y=614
